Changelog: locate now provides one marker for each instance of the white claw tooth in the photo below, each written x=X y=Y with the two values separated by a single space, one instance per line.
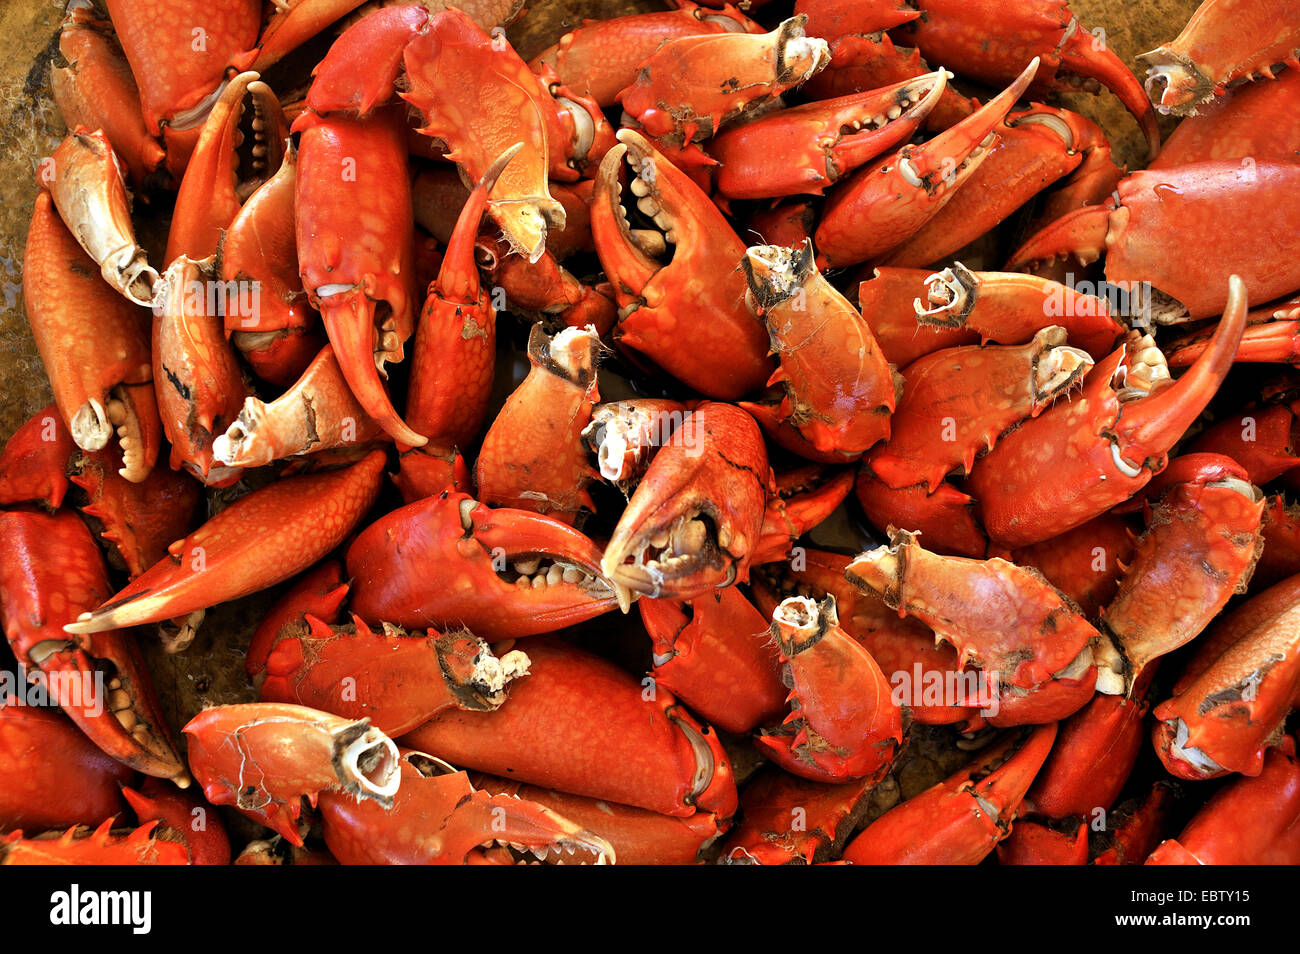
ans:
x=539 y=582
x=555 y=574
x=571 y=574
x=648 y=206
x=528 y=567
x=663 y=221
x=670 y=237
x=894 y=112
x=640 y=188
x=127 y=718
x=878 y=120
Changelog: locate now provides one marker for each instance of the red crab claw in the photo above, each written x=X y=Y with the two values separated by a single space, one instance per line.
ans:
x=1238 y=125
x=961 y=819
x=455 y=341
x=1085 y=563
x=267 y=316
x=1094 y=754
x=318 y=413
x=900 y=193
x=639 y=837
x=843 y=723
x=1019 y=630
x=582 y=725
x=246 y=121
x=804 y=149
x=1226 y=718
x=1249 y=821
x=839 y=390
x=698 y=286
x=1118 y=431
x=689 y=86
x=50 y=570
x=259 y=540
x=40 y=750
x=88 y=190
x=904 y=648
x=791 y=821
x=532 y=456
x=397 y=680
x=94 y=345
x=1203 y=538
x=147 y=845
x=438 y=818
x=96 y=90
x=34 y=462
x=603 y=56
x=437 y=52
x=715 y=654
x=1221 y=43
x=361 y=287
x=987 y=41
x=265 y=757
x=183 y=812
x=139 y=520
x=1154 y=210
x=957 y=403
x=785 y=223
x=1036 y=148
x=914 y=312
x=804 y=498
x=181 y=70
x=500 y=573
x=697 y=515
x=946 y=517
x=198 y=381
x=319 y=592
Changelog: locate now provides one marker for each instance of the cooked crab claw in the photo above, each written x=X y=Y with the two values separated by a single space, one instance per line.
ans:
x=885 y=203
x=843 y=723
x=697 y=515
x=439 y=818
x=806 y=148
x=400 y=680
x=90 y=194
x=51 y=569
x=258 y=541
x=264 y=758
x=448 y=561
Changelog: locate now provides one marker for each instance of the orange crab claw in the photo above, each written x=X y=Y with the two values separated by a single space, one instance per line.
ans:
x=448 y=561
x=264 y=758
x=256 y=542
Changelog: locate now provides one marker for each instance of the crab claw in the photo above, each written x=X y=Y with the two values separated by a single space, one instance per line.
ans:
x=843 y=723
x=449 y=561
x=51 y=569
x=961 y=819
x=318 y=413
x=263 y=758
x=401 y=681
x=807 y=148
x=90 y=194
x=438 y=818
x=361 y=285
x=103 y=846
x=94 y=345
x=673 y=265
x=697 y=515
x=256 y=542
x=1082 y=55
x=885 y=203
